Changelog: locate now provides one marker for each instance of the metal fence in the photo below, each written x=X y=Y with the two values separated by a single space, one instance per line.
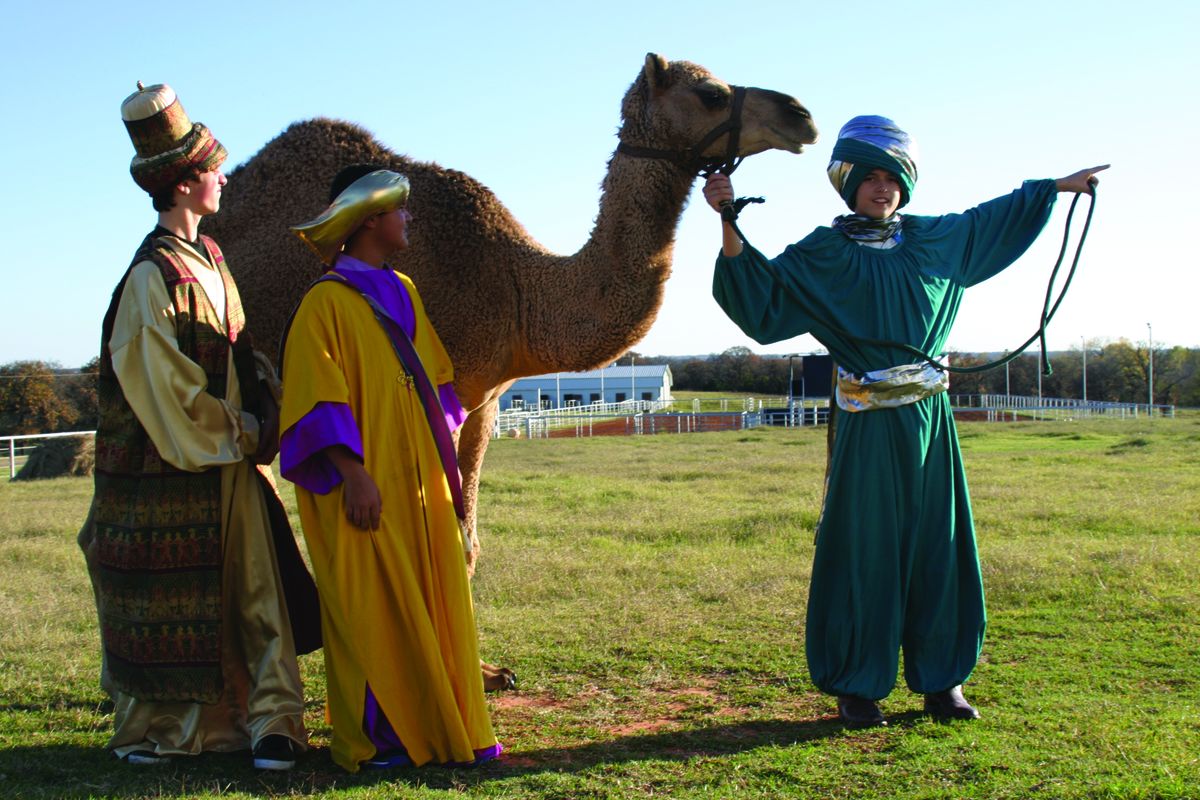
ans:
x=1012 y=408
x=639 y=418
x=17 y=448
x=647 y=417
x=580 y=420
x=643 y=417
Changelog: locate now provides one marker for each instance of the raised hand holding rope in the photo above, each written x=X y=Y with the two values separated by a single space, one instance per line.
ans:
x=718 y=191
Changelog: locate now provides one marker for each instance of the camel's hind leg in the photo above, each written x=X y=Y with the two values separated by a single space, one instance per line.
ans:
x=473 y=440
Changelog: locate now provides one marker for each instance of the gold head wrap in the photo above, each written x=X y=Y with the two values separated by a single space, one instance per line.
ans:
x=376 y=192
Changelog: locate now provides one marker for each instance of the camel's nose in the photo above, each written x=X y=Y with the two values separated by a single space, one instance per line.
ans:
x=792 y=107
x=802 y=112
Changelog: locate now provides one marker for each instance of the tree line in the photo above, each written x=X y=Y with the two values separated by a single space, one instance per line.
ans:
x=43 y=397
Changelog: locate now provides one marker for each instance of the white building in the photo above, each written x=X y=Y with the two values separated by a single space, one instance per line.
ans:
x=607 y=385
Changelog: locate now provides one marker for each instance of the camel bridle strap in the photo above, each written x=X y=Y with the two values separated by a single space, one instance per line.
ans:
x=692 y=159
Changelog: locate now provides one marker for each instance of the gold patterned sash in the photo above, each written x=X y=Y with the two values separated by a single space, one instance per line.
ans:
x=889 y=388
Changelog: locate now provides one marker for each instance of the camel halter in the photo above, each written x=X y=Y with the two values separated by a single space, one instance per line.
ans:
x=692 y=159
x=731 y=209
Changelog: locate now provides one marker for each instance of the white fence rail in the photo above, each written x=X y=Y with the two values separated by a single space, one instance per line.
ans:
x=18 y=448
x=537 y=423
x=646 y=416
x=641 y=417
x=1000 y=407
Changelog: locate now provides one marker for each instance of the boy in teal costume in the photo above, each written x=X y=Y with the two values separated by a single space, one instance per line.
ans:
x=896 y=565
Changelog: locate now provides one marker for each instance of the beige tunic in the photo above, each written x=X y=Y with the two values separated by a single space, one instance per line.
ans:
x=194 y=430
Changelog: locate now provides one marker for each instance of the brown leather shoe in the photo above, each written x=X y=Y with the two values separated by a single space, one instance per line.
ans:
x=859 y=712
x=949 y=704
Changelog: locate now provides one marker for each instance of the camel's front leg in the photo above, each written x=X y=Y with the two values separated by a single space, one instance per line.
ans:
x=473 y=440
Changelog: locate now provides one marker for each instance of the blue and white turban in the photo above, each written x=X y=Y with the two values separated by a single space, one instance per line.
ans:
x=867 y=143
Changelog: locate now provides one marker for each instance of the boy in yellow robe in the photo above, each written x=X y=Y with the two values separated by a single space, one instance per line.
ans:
x=368 y=408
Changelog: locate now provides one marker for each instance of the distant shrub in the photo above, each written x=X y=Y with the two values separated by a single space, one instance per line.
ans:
x=73 y=456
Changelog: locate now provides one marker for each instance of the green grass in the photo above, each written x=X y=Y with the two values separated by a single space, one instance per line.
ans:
x=650 y=592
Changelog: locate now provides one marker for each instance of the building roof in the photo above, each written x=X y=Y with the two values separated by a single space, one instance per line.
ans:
x=608 y=373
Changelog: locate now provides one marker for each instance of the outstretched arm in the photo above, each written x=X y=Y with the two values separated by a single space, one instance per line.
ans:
x=718 y=190
x=1082 y=181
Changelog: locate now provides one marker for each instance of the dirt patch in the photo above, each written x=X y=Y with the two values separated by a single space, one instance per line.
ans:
x=537 y=702
x=519 y=761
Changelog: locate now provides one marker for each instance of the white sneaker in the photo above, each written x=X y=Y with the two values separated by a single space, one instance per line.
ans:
x=275 y=752
x=144 y=758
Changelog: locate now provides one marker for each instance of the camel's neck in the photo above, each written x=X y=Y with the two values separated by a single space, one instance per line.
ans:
x=591 y=307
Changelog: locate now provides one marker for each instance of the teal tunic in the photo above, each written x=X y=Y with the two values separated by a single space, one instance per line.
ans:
x=896 y=565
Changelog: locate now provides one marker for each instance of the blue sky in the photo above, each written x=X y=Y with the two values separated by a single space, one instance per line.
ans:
x=524 y=96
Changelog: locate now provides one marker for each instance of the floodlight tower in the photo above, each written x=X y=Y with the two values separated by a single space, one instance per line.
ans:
x=1083 y=350
x=791 y=393
x=1150 y=382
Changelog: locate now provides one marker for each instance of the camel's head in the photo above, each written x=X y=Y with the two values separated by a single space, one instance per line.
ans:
x=674 y=105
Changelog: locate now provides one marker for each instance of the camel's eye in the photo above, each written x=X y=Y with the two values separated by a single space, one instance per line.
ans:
x=712 y=98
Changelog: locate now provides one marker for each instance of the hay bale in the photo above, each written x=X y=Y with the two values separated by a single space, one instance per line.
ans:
x=57 y=458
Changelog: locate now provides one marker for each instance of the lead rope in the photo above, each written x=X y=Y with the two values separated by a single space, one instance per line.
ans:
x=730 y=210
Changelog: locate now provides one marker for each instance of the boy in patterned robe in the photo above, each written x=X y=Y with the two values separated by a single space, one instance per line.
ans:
x=198 y=648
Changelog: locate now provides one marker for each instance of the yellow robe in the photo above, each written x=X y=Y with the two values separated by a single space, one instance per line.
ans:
x=396 y=610
x=194 y=430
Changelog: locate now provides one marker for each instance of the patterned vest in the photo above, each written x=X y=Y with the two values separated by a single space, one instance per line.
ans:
x=157 y=528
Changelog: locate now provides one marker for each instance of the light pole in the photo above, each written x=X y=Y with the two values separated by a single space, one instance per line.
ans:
x=791 y=394
x=1038 y=367
x=1007 y=391
x=1150 y=382
x=632 y=380
x=1083 y=349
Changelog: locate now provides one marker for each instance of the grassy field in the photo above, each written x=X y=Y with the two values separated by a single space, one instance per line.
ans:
x=722 y=401
x=650 y=593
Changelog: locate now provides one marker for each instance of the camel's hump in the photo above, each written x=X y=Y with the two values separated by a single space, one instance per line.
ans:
x=301 y=161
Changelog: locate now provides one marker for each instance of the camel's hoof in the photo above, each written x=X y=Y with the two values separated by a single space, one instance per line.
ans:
x=498 y=679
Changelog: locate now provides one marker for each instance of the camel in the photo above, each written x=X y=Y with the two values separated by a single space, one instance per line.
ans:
x=504 y=305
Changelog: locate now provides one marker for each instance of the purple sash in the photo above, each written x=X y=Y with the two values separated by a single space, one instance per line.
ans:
x=426 y=391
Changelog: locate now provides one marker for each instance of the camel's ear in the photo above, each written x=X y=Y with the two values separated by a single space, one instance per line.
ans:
x=657 y=71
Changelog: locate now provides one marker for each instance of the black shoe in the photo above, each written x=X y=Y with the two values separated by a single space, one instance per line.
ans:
x=388 y=760
x=859 y=712
x=144 y=758
x=275 y=752
x=949 y=704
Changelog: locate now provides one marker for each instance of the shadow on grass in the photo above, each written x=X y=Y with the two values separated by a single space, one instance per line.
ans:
x=71 y=772
x=100 y=707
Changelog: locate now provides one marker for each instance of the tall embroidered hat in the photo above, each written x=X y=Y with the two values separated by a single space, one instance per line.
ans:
x=378 y=192
x=168 y=144
x=872 y=142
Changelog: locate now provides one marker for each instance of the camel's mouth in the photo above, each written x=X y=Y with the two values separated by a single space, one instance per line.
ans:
x=792 y=143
